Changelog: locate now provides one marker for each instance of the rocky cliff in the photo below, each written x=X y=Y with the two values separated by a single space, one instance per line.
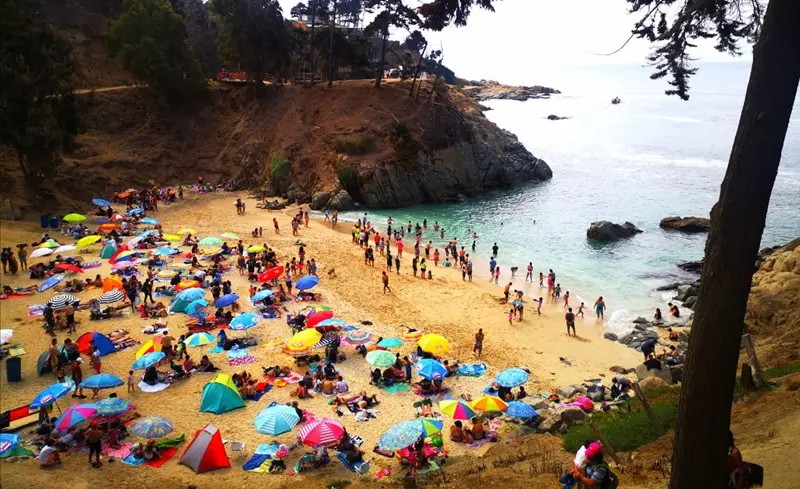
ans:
x=483 y=90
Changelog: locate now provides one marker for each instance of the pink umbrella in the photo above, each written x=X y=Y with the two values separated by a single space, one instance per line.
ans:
x=322 y=431
x=74 y=415
x=123 y=264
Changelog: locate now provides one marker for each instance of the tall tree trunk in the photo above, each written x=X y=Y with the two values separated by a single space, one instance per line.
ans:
x=737 y=222
x=312 y=58
x=416 y=70
x=382 y=63
x=330 y=45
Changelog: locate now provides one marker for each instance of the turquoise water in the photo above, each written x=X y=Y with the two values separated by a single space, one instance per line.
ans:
x=650 y=157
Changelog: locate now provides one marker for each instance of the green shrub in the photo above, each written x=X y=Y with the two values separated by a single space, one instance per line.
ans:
x=406 y=148
x=781 y=370
x=278 y=170
x=361 y=146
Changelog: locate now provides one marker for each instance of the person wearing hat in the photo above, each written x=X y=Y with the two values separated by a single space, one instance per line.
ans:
x=596 y=472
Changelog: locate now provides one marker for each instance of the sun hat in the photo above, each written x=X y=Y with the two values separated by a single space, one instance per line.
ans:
x=593 y=450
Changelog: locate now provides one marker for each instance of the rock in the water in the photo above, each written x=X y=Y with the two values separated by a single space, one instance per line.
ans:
x=553 y=117
x=691 y=266
x=572 y=414
x=608 y=231
x=687 y=224
x=672 y=286
x=640 y=320
x=342 y=201
x=690 y=302
x=685 y=291
x=319 y=200
x=611 y=336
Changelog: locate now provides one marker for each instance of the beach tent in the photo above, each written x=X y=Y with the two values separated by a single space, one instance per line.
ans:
x=108 y=250
x=220 y=396
x=206 y=451
x=43 y=363
x=101 y=341
x=184 y=298
x=112 y=283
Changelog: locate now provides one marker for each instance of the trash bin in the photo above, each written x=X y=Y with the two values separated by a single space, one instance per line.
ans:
x=55 y=222
x=14 y=369
x=45 y=220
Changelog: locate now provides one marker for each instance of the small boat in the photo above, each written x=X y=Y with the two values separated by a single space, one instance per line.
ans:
x=615 y=100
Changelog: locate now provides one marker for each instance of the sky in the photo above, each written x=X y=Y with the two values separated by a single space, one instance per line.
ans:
x=525 y=37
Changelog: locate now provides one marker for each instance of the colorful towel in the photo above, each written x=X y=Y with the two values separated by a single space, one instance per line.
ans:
x=383 y=453
x=397 y=387
x=131 y=460
x=478 y=443
x=170 y=442
x=256 y=397
x=254 y=464
x=36 y=310
x=216 y=349
x=472 y=370
x=163 y=457
x=293 y=378
x=123 y=451
x=238 y=353
x=90 y=265
x=242 y=360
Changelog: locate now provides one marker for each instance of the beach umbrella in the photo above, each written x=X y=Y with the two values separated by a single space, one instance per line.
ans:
x=211 y=251
x=229 y=236
x=261 y=295
x=276 y=420
x=194 y=307
x=112 y=406
x=111 y=297
x=301 y=343
x=165 y=251
x=5 y=335
x=320 y=431
x=186 y=231
x=148 y=360
x=51 y=282
x=271 y=274
x=88 y=240
x=61 y=301
x=121 y=265
x=134 y=212
x=52 y=393
x=334 y=322
x=8 y=441
x=101 y=203
x=200 y=339
x=381 y=358
x=64 y=248
x=149 y=232
x=109 y=226
x=126 y=254
x=102 y=381
x=75 y=415
x=243 y=322
x=210 y=241
x=400 y=436
x=226 y=300
x=430 y=369
x=489 y=404
x=307 y=282
x=150 y=221
x=357 y=337
x=149 y=346
x=456 y=409
x=512 y=377
x=74 y=218
x=317 y=318
x=166 y=274
x=50 y=243
x=434 y=344
x=67 y=267
x=152 y=427
x=519 y=409
x=390 y=343
x=430 y=426
x=102 y=220
x=172 y=238
x=255 y=249
x=117 y=217
x=186 y=284
x=41 y=252
x=191 y=294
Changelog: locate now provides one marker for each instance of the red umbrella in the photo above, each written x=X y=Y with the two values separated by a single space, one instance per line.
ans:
x=322 y=431
x=69 y=268
x=318 y=317
x=270 y=274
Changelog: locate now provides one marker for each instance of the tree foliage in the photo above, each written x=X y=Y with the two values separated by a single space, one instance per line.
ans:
x=438 y=14
x=39 y=116
x=201 y=35
x=390 y=13
x=150 y=38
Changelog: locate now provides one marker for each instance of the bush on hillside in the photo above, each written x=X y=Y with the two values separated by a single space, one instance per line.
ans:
x=278 y=171
x=361 y=146
x=348 y=177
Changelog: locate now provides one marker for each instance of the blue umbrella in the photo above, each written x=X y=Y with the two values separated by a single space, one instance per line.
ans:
x=519 y=409
x=430 y=369
x=150 y=221
x=401 y=435
x=8 y=441
x=190 y=295
x=512 y=377
x=244 y=321
x=51 y=282
x=307 y=282
x=165 y=251
x=112 y=406
x=226 y=300
x=102 y=381
x=101 y=203
x=102 y=220
x=134 y=211
x=152 y=427
x=148 y=360
x=390 y=343
x=193 y=309
x=276 y=420
x=52 y=393
x=261 y=295
x=334 y=322
x=147 y=233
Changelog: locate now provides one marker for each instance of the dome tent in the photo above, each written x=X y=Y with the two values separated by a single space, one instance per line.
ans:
x=109 y=250
x=220 y=396
x=43 y=362
x=206 y=451
x=101 y=341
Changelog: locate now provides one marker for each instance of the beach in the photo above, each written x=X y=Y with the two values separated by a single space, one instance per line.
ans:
x=445 y=305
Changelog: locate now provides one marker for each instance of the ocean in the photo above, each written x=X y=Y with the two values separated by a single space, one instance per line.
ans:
x=650 y=157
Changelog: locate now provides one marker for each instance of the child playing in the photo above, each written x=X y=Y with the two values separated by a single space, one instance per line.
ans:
x=539 y=306
x=131 y=381
x=511 y=317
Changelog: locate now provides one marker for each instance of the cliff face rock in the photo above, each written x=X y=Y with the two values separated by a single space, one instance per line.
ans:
x=491 y=90
x=687 y=224
x=607 y=231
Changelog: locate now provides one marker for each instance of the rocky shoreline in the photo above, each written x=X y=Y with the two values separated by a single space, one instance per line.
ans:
x=483 y=90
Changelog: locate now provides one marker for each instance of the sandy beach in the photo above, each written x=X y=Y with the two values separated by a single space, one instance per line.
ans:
x=445 y=305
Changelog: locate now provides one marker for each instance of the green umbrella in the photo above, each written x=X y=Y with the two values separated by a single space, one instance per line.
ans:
x=74 y=218
x=381 y=358
x=210 y=241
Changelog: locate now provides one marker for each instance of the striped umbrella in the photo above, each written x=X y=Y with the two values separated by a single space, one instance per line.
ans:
x=357 y=337
x=301 y=343
x=430 y=426
x=74 y=415
x=153 y=427
x=456 y=409
x=111 y=297
x=187 y=284
x=102 y=381
x=381 y=358
x=519 y=409
x=200 y=339
x=61 y=301
x=51 y=282
x=112 y=406
x=276 y=420
x=149 y=346
x=50 y=243
x=322 y=431
x=148 y=360
x=489 y=404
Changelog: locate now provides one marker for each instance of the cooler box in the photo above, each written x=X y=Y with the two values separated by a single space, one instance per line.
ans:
x=45 y=219
x=14 y=369
x=55 y=222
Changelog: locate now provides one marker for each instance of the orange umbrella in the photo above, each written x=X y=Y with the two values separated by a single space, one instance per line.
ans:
x=108 y=226
x=124 y=195
x=111 y=283
x=187 y=284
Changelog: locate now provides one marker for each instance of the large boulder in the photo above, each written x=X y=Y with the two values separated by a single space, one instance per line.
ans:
x=567 y=391
x=341 y=201
x=691 y=266
x=611 y=336
x=319 y=200
x=687 y=224
x=686 y=291
x=295 y=194
x=608 y=231
x=549 y=425
x=572 y=415
x=690 y=302
x=652 y=383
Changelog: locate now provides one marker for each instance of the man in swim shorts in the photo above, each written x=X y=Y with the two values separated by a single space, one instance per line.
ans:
x=570 y=318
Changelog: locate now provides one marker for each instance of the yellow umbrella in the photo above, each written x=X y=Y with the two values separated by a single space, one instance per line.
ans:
x=172 y=237
x=456 y=409
x=434 y=344
x=74 y=218
x=303 y=341
x=489 y=404
x=186 y=231
x=127 y=253
x=88 y=240
x=212 y=251
x=49 y=244
x=255 y=249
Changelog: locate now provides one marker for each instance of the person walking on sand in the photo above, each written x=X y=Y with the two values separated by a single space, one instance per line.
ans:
x=599 y=307
x=570 y=318
x=478 y=348
x=529 y=274
x=385 y=278
x=506 y=292
x=436 y=257
x=496 y=275
x=275 y=225
x=492 y=266
x=511 y=317
x=566 y=300
x=389 y=260
x=539 y=306
x=469 y=269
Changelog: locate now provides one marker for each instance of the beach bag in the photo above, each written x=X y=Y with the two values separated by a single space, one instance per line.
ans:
x=753 y=475
x=612 y=480
x=437 y=441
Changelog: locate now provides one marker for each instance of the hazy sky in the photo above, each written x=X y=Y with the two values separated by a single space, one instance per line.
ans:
x=523 y=37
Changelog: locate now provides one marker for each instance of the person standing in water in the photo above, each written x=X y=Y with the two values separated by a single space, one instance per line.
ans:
x=496 y=275
x=580 y=310
x=566 y=300
x=599 y=307
x=529 y=274
x=495 y=249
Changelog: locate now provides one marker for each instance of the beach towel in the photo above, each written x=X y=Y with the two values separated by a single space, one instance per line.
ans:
x=131 y=460
x=123 y=451
x=152 y=388
x=256 y=463
x=472 y=370
x=36 y=310
x=17 y=350
x=216 y=349
x=477 y=443
x=361 y=468
x=442 y=393
x=293 y=378
x=163 y=457
x=383 y=453
x=395 y=388
x=242 y=360
x=238 y=353
x=90 y=265
x=170 y=442
x=256 y=397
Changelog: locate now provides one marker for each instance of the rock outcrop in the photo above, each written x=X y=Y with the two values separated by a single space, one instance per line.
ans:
x=491 y=90
x=687 y=224
x=553 y=117
x=342 y=201
x=607 y=231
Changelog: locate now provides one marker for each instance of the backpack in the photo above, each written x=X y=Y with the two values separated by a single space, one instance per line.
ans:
x=612 y=480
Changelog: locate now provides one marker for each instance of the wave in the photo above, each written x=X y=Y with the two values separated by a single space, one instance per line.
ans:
x=620 y=322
